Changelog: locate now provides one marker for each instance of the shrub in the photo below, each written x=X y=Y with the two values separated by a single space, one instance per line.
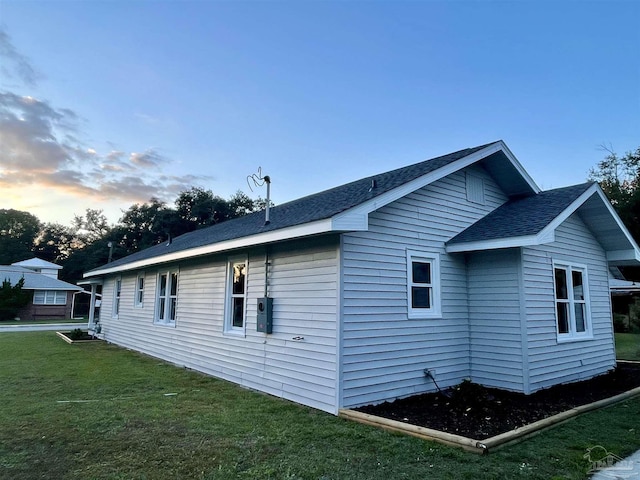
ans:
x=12 y=299
x=76 y=334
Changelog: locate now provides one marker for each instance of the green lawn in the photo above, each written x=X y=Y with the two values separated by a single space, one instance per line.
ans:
x=628 y=346
x=95 y=411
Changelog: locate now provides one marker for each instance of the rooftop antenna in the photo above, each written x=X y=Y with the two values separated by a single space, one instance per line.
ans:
x=258 y=180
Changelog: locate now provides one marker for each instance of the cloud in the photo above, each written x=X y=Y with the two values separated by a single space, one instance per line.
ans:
x=42 y=146
x=16 y=65
x=147 y=159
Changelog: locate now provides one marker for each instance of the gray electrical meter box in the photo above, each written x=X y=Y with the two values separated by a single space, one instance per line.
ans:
x=265 y=314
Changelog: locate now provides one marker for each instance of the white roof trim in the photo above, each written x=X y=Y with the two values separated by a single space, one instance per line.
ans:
x=354 y=215
x=519 y=167
x=547 y=234
x=619 y=221
x=354 y=219
x=509 y=242
x=570 y=210
x=298 y=231
x=623 y=256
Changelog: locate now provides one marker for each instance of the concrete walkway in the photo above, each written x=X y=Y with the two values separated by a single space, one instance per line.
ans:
x=35 y=327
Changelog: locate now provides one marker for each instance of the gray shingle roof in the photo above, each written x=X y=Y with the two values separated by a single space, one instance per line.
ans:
x=522 y=217
x=308 y=209
x=33 y=280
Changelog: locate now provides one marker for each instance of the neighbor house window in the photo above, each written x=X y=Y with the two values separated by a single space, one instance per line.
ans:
x=167 y=297
x=139 y=298
x=49 y=297
x=116 y=296
x=423 y=284
x=236 y=296
x=572 y=301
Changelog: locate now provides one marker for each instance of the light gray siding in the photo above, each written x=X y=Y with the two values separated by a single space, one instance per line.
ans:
x=495 y=319
x=384 y=353
x=297 y=361
x=552 y=362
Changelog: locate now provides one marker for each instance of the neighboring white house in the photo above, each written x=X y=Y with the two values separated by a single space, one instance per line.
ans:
x=50 y=297
x=459 y=265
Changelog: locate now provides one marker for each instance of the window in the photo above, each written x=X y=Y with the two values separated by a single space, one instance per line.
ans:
x=49 y=297
x=236 y=296
x=116 y=297
x=167 y=297
x=139 y=298
x=572 y=302
x=423 y=285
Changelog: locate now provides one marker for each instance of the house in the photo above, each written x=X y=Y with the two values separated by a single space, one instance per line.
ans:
x=458 y=266
x=625 y=300
x=50 y=297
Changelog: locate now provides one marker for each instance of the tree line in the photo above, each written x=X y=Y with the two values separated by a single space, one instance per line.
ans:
x=84 y=244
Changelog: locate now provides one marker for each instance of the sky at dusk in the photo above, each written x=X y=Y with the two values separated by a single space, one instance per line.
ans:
x=104 y=104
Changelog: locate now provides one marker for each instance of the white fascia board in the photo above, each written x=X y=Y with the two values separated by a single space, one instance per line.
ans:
x=567 y=212
x=578 y=202
x=493 y=244
x=518 y=166
x=298 y=231
x=623 y=256
x=353 y=215
x=618 y=220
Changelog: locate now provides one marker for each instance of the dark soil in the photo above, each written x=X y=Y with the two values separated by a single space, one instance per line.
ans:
x=78 y=335
x=477 y=412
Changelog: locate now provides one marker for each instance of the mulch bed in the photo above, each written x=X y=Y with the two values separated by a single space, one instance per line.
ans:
x=478 y=412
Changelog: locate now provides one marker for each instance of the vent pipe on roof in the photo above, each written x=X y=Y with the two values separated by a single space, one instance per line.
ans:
x=258 y=180
x=374 y=184
x=267 y=180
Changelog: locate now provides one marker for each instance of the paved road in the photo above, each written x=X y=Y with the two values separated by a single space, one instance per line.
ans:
x=41 y=327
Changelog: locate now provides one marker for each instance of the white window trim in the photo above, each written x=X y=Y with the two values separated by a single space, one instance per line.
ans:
x=167 y=307
x=436 y=308
x=572 y=335
x=117 y=297
x=136 y=302
x=229 y=329
x=56 y=294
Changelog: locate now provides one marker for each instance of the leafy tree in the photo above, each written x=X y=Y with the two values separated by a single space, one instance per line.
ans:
x=619 y=177
x=18 y=231
x=12 y=299
x=54 y=243
x=142 y=226
x=91 y=226
x=198 y=207
x=241 y=204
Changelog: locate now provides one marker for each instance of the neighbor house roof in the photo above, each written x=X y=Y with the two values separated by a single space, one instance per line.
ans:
x=532 y=220
x=37 y=263
x=33 y=280
x=623 y=287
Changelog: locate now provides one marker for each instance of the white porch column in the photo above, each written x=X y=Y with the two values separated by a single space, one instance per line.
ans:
x=92 y=305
